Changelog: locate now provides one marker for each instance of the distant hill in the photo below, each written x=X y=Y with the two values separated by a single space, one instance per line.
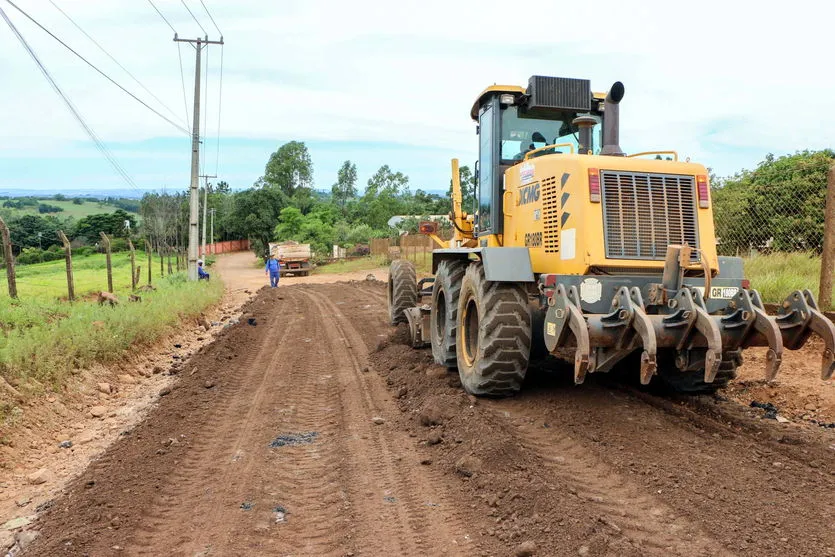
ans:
x=68 y=208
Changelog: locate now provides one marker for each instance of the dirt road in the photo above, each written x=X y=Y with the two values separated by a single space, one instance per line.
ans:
x=308 y=429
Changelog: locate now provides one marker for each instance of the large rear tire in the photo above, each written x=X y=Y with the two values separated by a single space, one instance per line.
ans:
x=692 y=382
x=402 y=289
x=444 y=319
x=494 y=335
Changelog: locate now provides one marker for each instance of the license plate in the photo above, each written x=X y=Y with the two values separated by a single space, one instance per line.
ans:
x=723 y=292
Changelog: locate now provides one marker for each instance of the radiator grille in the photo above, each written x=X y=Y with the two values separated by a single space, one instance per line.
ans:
x=644 y=213
x=550 y=215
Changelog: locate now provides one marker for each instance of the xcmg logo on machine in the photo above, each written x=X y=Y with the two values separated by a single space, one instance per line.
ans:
x=529 y=194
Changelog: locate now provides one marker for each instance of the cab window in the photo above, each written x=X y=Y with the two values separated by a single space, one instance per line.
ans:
x=524 y=131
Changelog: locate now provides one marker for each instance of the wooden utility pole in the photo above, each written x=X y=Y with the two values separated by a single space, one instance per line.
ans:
x=9 y=257
x=106 y=241
x=149 y=252
x=828 y=256
x=194 y=190
x=68 y=258
x=133 y=276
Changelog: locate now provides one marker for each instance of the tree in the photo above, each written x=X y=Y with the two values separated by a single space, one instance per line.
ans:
x=345 y=187
x=382 y=198
x=289 y=168
x=25 y=230
x=110 y=223
x=290 y=224
x=222 y=187
x=255 y=214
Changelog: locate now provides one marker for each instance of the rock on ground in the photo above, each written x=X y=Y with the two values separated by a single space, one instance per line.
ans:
x=41 y=476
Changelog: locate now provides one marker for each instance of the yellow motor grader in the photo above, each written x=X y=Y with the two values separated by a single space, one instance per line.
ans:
x=577 y=246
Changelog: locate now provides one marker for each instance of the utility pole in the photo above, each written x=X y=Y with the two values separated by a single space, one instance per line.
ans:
x=205 y=205
x=212 y=210
x=194 y=190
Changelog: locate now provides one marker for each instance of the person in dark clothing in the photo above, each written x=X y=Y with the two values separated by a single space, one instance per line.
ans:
x=273 y=270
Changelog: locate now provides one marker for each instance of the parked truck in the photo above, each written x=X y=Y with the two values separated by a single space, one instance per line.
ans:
x=293 y=257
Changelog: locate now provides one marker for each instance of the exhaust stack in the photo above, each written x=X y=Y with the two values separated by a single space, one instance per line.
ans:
x=611 y=121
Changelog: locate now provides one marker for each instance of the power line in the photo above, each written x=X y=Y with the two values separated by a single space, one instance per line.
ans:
x=183 y=80
x=162 y=16
x=77 y=26
x=98 y=142
x=65 y=45
x=194 y=18
x=211 y=18
x=219 y=107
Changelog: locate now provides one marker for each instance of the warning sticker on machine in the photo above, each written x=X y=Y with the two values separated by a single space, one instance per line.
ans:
x=526 y=172
x=723 y=292
x=551 y=329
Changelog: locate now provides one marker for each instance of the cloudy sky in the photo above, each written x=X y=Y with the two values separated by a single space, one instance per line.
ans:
x=381 y=82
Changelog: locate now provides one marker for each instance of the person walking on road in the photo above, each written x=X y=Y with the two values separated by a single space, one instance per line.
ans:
x=273 y=270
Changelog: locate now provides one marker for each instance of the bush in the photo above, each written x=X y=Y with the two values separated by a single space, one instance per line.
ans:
x=45 y=208
x=118 y=244
x=36 y=255
x=83 y=251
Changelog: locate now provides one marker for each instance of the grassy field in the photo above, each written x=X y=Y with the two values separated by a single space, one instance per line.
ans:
x=775 y=275
x=45 y=339
x=48 y=281
x=70 y=209
x=367 y=263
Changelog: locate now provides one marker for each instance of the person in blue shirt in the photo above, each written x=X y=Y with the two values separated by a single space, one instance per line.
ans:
x=273 y=270
x=201 y=272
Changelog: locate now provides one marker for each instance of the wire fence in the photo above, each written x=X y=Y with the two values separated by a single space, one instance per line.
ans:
x=762 y=219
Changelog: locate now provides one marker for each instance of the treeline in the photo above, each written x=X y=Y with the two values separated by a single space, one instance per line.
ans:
x=35 y=238
x=283 y=205
x=779 y=206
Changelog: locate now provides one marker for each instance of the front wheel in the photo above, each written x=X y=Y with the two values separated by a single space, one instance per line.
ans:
x=444 y=318
x=494 y=335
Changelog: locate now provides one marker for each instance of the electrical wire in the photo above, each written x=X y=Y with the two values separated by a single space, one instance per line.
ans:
x=100 y=47
x=162 y=16
x=212 y=19
x=219 y=107
x=183 y=80
x=98 y=142
x=192 y=17
x=65 y=45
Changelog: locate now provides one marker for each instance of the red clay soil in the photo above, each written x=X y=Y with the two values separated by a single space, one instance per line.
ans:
x=311 y=428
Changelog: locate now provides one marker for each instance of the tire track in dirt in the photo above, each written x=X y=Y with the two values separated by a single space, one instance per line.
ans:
x=232 y=450
x=431 y=532
x=624 y=508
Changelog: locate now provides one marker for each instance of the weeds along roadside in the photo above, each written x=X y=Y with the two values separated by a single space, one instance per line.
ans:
x=43 y=343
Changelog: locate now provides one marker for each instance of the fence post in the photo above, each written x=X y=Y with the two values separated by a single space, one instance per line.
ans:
x=133 y=276
x=828 y=256
x=68 y=258
x=106 y=241
x=150 y=254
x=9 y=257
x=136 y=276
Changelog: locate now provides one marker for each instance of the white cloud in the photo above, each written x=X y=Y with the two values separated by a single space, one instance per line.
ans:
x=722 y=82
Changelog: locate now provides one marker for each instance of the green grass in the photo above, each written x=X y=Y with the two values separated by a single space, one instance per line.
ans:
x=49 y=280
x=423 y=265
x=44 y=342
x=70 y=209
x=777 y=275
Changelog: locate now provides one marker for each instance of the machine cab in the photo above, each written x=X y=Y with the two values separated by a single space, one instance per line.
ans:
x=553 y=115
